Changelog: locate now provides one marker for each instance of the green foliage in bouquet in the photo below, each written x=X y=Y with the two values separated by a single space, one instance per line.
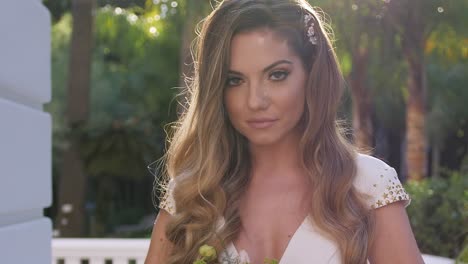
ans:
x=207 y=255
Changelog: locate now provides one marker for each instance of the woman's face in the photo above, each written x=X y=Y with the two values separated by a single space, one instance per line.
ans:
x=264 y=93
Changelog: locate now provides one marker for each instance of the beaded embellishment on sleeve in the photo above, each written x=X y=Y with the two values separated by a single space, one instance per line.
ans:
x=388 y=189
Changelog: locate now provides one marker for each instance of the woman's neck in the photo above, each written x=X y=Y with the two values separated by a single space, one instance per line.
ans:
x=276 y=161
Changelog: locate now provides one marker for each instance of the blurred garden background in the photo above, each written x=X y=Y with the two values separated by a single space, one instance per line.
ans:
x=117 y=68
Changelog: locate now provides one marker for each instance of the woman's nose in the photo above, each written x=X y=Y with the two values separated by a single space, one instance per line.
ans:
x=258 y=97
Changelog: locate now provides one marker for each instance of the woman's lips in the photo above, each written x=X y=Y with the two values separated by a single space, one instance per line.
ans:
x=261 y=123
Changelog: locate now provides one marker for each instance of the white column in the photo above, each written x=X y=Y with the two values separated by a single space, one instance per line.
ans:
x=25 y=133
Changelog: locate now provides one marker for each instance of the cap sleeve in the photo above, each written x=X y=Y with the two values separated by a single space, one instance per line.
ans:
x=380 y=182
x=388 y=189
x=167 y=203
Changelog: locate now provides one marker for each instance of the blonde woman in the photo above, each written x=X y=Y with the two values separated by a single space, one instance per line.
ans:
x=257 y=164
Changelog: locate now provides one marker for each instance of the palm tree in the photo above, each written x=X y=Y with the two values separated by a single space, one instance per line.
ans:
x=414 y=20
x=357 y=30
x=70 y=220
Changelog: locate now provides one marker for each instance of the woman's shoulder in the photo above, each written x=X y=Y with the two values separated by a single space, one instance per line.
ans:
x=369 y=165
x=379 y=181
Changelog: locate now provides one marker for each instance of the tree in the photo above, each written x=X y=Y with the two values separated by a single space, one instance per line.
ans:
x=357 y=28
x=414 y=20
x=358 y=32
x=71 y=214
x=447 y=68
x=194 y=13
x=134 y=69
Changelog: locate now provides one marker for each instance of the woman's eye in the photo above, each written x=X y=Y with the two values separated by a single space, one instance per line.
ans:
x=233 y=81
x=279 y=75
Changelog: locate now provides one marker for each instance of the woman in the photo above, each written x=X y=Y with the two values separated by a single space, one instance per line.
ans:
x=258 y=166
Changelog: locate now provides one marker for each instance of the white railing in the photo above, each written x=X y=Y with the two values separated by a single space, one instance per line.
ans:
x=99 y=250
x=428 y=259
x=126 y=251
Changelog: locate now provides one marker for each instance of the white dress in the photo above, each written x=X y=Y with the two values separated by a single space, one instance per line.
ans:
x=374 y=177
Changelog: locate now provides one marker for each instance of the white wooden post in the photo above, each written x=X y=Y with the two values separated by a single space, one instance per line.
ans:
x=25 y=133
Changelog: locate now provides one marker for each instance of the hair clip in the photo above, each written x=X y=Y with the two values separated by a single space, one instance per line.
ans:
x=310 y=29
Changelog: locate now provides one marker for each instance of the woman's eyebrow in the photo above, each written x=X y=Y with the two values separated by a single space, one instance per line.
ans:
x=267 y=68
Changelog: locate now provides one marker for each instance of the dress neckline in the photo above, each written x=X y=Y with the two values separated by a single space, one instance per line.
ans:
x=236 y=252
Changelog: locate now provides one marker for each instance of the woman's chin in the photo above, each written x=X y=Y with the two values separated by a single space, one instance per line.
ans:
x=262 y=140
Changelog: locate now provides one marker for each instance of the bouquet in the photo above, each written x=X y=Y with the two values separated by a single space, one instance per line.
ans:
x=208 y=255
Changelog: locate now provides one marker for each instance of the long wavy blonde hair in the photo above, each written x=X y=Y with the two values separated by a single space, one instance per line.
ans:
x=209 y=160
